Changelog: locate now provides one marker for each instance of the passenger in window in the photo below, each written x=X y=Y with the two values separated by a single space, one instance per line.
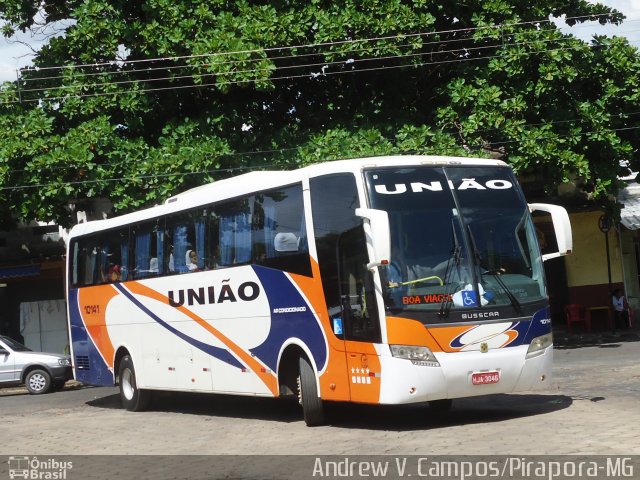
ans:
x=172 y=267
x=192 y=260
x=153 y=265
x=115 y=274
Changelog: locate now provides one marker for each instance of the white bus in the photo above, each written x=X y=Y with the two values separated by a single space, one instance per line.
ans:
x=387 y=280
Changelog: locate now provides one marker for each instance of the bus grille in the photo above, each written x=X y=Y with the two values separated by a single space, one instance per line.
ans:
x=82 y=362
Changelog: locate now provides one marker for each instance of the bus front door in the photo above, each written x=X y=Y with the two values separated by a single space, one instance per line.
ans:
x=360 y=318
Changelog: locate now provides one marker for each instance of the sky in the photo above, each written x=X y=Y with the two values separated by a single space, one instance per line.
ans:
x=14 y=54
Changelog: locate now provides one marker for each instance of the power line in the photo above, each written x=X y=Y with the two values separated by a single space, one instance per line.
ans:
x=199 y=76
x=466 y=51
x=441 y=42
x=136 y=177
x=570 y=122
x=262 y=167
x=326 y=44
x=310 y=75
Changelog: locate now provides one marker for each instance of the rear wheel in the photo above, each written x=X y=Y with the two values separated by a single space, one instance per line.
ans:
x=38 y=381
x=308 y=395
x=133 y=399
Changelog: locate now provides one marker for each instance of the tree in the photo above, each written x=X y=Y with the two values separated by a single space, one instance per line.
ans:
x=142 y=99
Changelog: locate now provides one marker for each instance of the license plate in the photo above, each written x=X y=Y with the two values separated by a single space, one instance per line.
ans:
x=485 y=378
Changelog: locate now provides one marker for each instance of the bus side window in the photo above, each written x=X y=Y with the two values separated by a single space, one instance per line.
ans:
x=85 y=255
x=147 y=243
x=211 y=240
x=183 y=241
x=114 y=256
x=234 y=233
x=102 y=258
x=279 y=230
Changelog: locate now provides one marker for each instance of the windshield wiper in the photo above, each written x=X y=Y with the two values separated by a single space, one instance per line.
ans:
x=494 y=273
x=512 y=298
x=447 y=298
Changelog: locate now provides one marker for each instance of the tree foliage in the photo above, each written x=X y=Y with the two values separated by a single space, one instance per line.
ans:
x=141 y=99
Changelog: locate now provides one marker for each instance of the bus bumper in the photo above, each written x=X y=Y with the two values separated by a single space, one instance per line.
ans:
x=403 y=382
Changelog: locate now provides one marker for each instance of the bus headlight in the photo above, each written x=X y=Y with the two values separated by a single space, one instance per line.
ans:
x=538 y=344
x=417 y=355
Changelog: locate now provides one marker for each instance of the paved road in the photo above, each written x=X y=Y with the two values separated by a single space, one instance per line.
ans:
x=592 y=408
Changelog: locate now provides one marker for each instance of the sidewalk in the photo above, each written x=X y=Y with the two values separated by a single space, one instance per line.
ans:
x=580 y=338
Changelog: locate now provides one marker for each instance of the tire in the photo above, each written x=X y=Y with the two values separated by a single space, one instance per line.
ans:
x=443 y=405
x=38 y=381
x=308 y=395
x=133 y=399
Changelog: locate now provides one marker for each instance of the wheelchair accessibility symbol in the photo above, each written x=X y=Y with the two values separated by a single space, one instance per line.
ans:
x=469 y=298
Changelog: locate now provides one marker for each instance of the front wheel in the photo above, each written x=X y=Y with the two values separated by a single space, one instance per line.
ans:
x=309 y=396
x=133 y=399
x=38 y=381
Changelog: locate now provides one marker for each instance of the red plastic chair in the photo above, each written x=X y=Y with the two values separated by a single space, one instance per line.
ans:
x=574 y=314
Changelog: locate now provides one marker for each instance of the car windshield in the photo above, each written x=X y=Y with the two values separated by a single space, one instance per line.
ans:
x=461 y=237
x=15 y=346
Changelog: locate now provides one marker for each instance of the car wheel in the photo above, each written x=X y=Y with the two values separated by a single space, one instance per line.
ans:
x=308 y=396
x=38 y=381
x=133 y=399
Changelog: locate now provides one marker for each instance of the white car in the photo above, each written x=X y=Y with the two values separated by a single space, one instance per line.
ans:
x=38 y=371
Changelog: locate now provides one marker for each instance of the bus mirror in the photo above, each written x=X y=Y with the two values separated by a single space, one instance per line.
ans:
x=561 y=227
x=378 y=235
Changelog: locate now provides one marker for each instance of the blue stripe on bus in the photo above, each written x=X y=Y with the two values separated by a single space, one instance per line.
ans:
x=219 y=353
x=291 y=317
x=540 y=324
x=98 y=372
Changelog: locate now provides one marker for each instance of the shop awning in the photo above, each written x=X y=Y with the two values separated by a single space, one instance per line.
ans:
x=630 y=213
x=21 y=271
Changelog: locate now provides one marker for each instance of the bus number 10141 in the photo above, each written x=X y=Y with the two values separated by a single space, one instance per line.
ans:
x=92 y=309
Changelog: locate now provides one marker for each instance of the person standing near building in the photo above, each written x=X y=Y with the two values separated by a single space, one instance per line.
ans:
x=620 y=309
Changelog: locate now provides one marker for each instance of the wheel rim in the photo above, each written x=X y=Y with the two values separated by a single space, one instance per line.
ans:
x=126 y=382
x=37 y=382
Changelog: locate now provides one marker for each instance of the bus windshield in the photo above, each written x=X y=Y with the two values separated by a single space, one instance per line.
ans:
x=461 y=237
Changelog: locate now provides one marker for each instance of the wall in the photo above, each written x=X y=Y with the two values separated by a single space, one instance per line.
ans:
x=587 y=276
x=49 y=285
x=43 y=326
x=628 y=240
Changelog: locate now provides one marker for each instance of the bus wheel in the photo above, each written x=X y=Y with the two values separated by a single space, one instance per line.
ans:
x=443 y=405
x=308 y=395
x=133 y=399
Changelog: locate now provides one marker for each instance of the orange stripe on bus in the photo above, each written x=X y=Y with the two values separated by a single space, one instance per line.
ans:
x=269 y=379
x=92 y=303
x=333 y=381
